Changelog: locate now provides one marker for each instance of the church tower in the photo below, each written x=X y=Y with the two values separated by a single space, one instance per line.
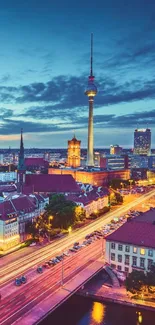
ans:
x=74 y=153
x=21 y=169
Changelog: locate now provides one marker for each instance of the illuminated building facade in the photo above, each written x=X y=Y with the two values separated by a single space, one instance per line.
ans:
x=115 y=149
x=94 y=177
x=74 y=153
x=130 y=247
x=115 y=162
x=91 y=92
x=142 y=142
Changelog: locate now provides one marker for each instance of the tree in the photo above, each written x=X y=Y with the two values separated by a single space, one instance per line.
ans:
x=135 y=281
x=62 y=211
x=80 y=213
x=30 y=228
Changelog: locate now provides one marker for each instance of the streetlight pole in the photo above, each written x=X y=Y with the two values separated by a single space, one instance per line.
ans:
x=62 y=272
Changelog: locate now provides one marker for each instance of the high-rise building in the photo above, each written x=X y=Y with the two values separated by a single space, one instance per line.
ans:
x=142 y=142
x=115 y=149
x=21 y=169
x=74 y=152
x=91 y=92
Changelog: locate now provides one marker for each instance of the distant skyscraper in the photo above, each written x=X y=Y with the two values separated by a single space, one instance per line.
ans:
x=115 y=149
x=91 y=91
x=74 y=153
x=21 y=169
x=142 y=142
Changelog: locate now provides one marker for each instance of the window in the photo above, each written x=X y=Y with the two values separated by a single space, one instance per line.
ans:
x=126 y=269
x=134 y=261
x=119 y=268
x=150 y=263
x=127 y=259
x=135 y=250
x=112 y=256
x=127 y=249
x=150 y=252
x=113 y=245
x=113 y=266
x=120 y=247
x=142 y=251
x=120 y=258
x=142 y=262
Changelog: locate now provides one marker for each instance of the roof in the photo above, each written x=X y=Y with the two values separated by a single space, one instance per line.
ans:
x=148 y=216
x=135 y=233
x=50 y=183
x=8 y=188
x=88 y=197
x=15 y=205
x=36 y=161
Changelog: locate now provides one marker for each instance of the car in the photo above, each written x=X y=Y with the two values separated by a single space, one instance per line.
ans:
x=18 y=282
x=23 y=279
x=76 y=243
x=39 y=269
x=72 y=250
x=33 y=244
x=46 y=265
x=66 y=253
x=59 y=257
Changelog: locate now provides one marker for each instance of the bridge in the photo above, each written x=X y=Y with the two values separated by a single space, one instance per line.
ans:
x=44 y=292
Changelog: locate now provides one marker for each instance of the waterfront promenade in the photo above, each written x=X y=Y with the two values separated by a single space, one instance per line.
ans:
x=98 y=291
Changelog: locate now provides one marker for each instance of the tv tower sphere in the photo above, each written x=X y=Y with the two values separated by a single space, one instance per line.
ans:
x=91 y=92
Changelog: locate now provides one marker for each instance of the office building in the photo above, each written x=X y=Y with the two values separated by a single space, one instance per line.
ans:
x=115 y=149
x=142 y=142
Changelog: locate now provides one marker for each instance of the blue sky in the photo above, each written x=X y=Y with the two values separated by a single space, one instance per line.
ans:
x=44 y=66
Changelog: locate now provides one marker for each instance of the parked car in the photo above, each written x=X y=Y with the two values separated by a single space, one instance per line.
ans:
x=39 y=269
x=23 y=279
x=18 y=282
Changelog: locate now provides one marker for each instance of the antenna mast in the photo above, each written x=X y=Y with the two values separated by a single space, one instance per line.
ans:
x=91 y=58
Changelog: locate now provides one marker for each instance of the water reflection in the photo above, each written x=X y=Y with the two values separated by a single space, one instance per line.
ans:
x=98 y=312
x=139 y=318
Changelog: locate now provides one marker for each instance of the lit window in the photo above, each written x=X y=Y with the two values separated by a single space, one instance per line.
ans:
x=135 y=250
x=142 y=251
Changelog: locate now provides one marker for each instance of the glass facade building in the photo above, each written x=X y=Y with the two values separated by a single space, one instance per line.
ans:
x=142 y=142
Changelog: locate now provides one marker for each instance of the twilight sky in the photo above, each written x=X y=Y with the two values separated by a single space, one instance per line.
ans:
x=44 y=66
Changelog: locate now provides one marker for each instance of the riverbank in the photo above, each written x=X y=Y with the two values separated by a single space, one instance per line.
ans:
x=98 y=290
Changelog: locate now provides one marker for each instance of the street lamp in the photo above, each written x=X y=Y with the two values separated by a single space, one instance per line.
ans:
x=69 y=229
x=62 y=271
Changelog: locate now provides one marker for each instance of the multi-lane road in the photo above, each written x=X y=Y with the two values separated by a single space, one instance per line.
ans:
x=19 y=300
x=24 y=263
x=24 y=298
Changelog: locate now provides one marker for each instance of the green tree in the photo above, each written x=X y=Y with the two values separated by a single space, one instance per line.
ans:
x=135 y=281
x=62 y=211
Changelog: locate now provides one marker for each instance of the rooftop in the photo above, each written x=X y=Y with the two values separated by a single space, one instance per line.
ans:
x=51 y=183
x=135 y=233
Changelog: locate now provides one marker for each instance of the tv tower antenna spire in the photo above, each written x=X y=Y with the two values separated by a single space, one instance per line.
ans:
x=91 y=92
x=91 y=56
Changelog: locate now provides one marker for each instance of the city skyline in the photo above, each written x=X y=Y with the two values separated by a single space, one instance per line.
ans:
x=45 y=64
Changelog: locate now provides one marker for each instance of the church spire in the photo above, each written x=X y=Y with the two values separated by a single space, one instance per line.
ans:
x=21 y=170
x=21 y=164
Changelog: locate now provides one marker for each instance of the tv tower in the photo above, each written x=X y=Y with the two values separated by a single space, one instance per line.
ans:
x=91 y=91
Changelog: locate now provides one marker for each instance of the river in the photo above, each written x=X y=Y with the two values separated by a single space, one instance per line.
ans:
x=82 y=311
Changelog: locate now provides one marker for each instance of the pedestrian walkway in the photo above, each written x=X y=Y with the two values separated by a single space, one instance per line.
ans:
x=113 y=277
